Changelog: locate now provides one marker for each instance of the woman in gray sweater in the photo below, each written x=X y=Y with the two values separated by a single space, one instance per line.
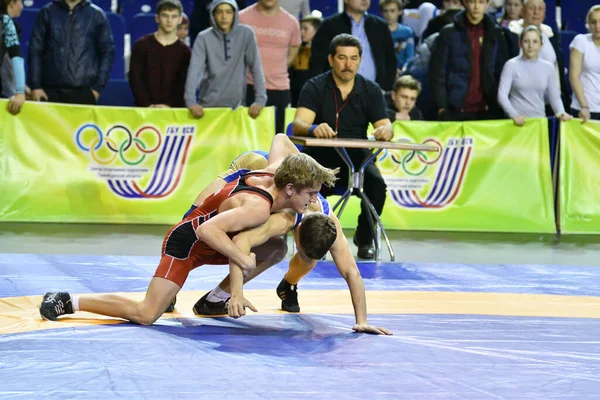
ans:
x=527 y=82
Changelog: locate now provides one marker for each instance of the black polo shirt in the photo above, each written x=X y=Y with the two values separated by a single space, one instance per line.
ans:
x=364 y=104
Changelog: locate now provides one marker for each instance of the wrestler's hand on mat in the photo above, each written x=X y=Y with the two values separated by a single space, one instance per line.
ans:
x=237 y=305
x=365 y=328
x=254 y=110
x=197 y=110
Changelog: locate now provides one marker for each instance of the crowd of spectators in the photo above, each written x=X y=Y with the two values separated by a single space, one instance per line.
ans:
x=262 y=54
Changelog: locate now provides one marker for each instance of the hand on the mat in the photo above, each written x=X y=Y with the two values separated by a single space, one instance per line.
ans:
x=237 y=306
x=364 y=328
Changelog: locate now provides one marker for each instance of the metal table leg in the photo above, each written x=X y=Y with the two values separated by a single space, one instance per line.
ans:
x=356 y=181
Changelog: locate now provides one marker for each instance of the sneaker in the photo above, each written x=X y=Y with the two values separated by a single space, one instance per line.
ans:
x=56 y=304
x=205 y=307
x=289 y=296
x=171 y=307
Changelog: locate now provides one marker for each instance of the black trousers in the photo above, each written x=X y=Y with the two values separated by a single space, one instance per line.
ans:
x=575 y=113
x=374 y=185
x=71 y=95
x=281 y=99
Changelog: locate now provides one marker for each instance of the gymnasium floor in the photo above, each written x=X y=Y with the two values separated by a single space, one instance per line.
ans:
x=474 y=316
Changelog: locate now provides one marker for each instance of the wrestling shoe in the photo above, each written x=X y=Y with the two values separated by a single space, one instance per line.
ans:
x=289 y=296
x=171 y=307
x=56 y=304
x=205 y=307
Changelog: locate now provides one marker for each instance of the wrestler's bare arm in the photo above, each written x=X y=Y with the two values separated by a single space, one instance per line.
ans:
x=281 y=147
x=236 y=214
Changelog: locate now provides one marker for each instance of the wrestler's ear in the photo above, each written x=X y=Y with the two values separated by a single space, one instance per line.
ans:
x=290 y=189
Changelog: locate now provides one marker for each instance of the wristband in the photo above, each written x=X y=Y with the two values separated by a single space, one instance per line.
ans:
x=311 y=130
x=586 y=107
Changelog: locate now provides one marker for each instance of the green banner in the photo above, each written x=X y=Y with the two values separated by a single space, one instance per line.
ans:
x=579 y=181
x=69 y=163
x=487 y=176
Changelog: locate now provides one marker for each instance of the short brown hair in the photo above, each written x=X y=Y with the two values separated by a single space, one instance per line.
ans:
x=302 y=171
x=407 y=82
x=169 y=5
x=316 y=235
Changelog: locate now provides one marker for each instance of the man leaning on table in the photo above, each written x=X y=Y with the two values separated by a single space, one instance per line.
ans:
x=342 y=103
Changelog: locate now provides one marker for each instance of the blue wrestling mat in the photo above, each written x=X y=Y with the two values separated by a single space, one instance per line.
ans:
x=460 y=332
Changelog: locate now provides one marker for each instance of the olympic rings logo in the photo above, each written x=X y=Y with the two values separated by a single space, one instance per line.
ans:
x=121 y=148
x=410 y=158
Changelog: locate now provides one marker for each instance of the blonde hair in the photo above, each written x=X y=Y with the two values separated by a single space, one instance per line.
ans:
x=531 y=28
x=592 y=10
x=407 y=81
x=302 y=171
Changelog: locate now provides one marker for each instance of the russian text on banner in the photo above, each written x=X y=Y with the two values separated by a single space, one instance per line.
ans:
x=579 y=183
x=65 y=163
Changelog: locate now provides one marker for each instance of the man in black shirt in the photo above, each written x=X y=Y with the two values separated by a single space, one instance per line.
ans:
x=341 y=103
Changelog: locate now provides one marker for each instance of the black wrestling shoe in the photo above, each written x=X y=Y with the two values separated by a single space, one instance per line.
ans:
x=289 y=296
x=205 y=307
x=366 y=252
x=56 y=304
x=171 y=307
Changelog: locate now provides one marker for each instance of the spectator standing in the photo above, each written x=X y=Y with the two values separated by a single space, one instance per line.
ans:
x=159 y=61
x=278 y=37
x=403 y=36
x=378 y=62
x=299 y=72
x=296 y=7
x=71 y=52
x=10 y=46
x=527 y=80
x=220 y=57
x=512 y=12
x=183 y=30
x=534 y=13
x=466 y=63
x=201 y=17
x=584 y=70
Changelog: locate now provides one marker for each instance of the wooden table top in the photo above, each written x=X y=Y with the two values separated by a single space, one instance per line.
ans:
x=360 y=144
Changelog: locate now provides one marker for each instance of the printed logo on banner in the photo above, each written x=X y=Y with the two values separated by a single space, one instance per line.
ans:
x=144 y=163
x=419 y=179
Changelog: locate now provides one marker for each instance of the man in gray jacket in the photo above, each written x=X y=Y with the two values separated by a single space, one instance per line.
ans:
x=220 y=58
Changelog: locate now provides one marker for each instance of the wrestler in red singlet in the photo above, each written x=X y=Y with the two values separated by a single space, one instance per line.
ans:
x=182 y=251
